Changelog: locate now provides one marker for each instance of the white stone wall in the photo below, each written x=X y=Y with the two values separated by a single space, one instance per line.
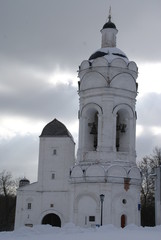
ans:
x=58 y=163
x=87 y=203
x=48 y=195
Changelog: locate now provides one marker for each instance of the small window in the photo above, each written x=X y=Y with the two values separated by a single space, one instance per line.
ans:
x=91 y=218
x=53 y=176
x=51 y=205
x=124 y=201
x=54 y=152
x=29 y=206
x=29 y=225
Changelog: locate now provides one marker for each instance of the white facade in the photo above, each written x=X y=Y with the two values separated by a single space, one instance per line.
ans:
x=69 y=190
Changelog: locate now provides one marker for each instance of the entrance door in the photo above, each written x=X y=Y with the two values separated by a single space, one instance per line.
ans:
x=123 y=221
x=52 y=219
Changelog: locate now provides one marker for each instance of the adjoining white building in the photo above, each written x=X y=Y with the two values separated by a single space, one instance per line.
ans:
x=69 y=191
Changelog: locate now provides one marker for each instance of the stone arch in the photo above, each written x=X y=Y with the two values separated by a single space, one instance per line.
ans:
x=134 y=172
x=124 y=81
x=116 y=171
x=51 y=217
x=84 y=65
x=132 y=66
x=100 y=62
x=89 y=107
x=90 y=194
x=86 y=204
x=124 y=117
x=124 y=106
x=94 y=172
x=118 y=62
x=91 y=126
x=76 y=171
x=92 y=80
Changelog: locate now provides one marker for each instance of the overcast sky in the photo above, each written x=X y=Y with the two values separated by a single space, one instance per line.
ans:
x=42 y=43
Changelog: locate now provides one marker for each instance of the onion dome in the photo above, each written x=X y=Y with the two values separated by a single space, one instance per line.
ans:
x=55 y=129
x=23 y=182
x=109 y=24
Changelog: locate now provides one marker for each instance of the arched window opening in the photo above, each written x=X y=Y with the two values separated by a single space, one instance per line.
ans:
x=122 y=122
x=90 y=129
x=93 y=130
x=123 y=220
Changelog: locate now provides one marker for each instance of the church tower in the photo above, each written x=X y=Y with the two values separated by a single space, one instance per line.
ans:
x=103 y=185
x=107 y=117
x=106 y=158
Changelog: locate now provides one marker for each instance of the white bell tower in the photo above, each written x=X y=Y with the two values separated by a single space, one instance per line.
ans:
x=107 y=117
x=106 y=157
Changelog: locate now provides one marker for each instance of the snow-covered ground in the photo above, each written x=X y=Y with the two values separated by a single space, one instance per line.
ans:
x=71 y=232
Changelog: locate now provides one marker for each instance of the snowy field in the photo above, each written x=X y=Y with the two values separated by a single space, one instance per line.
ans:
x=71 y=232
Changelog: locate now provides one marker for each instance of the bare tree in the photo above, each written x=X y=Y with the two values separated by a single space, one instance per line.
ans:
x=7 y=200
x=155 y=157
x=147 y=186
x=147 y=166
x=7 y=184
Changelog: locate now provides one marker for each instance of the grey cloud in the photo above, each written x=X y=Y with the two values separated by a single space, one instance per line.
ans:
x=149 y=110
x=45 y=33
x=146 y=142
x=19 y=155
x=138 y=27
x=44 y=103
x=33 y=96
x=41 y=32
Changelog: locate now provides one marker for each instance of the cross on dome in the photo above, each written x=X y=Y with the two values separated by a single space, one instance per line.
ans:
x=109 y=15
x=109 y=24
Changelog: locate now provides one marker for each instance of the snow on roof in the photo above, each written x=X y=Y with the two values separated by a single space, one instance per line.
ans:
x=109 y=53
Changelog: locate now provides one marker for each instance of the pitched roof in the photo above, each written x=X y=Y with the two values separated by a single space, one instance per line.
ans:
x=55 y=129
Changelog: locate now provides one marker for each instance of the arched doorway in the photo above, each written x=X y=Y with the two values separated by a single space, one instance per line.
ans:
x=123 y=221
x=52 y=219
